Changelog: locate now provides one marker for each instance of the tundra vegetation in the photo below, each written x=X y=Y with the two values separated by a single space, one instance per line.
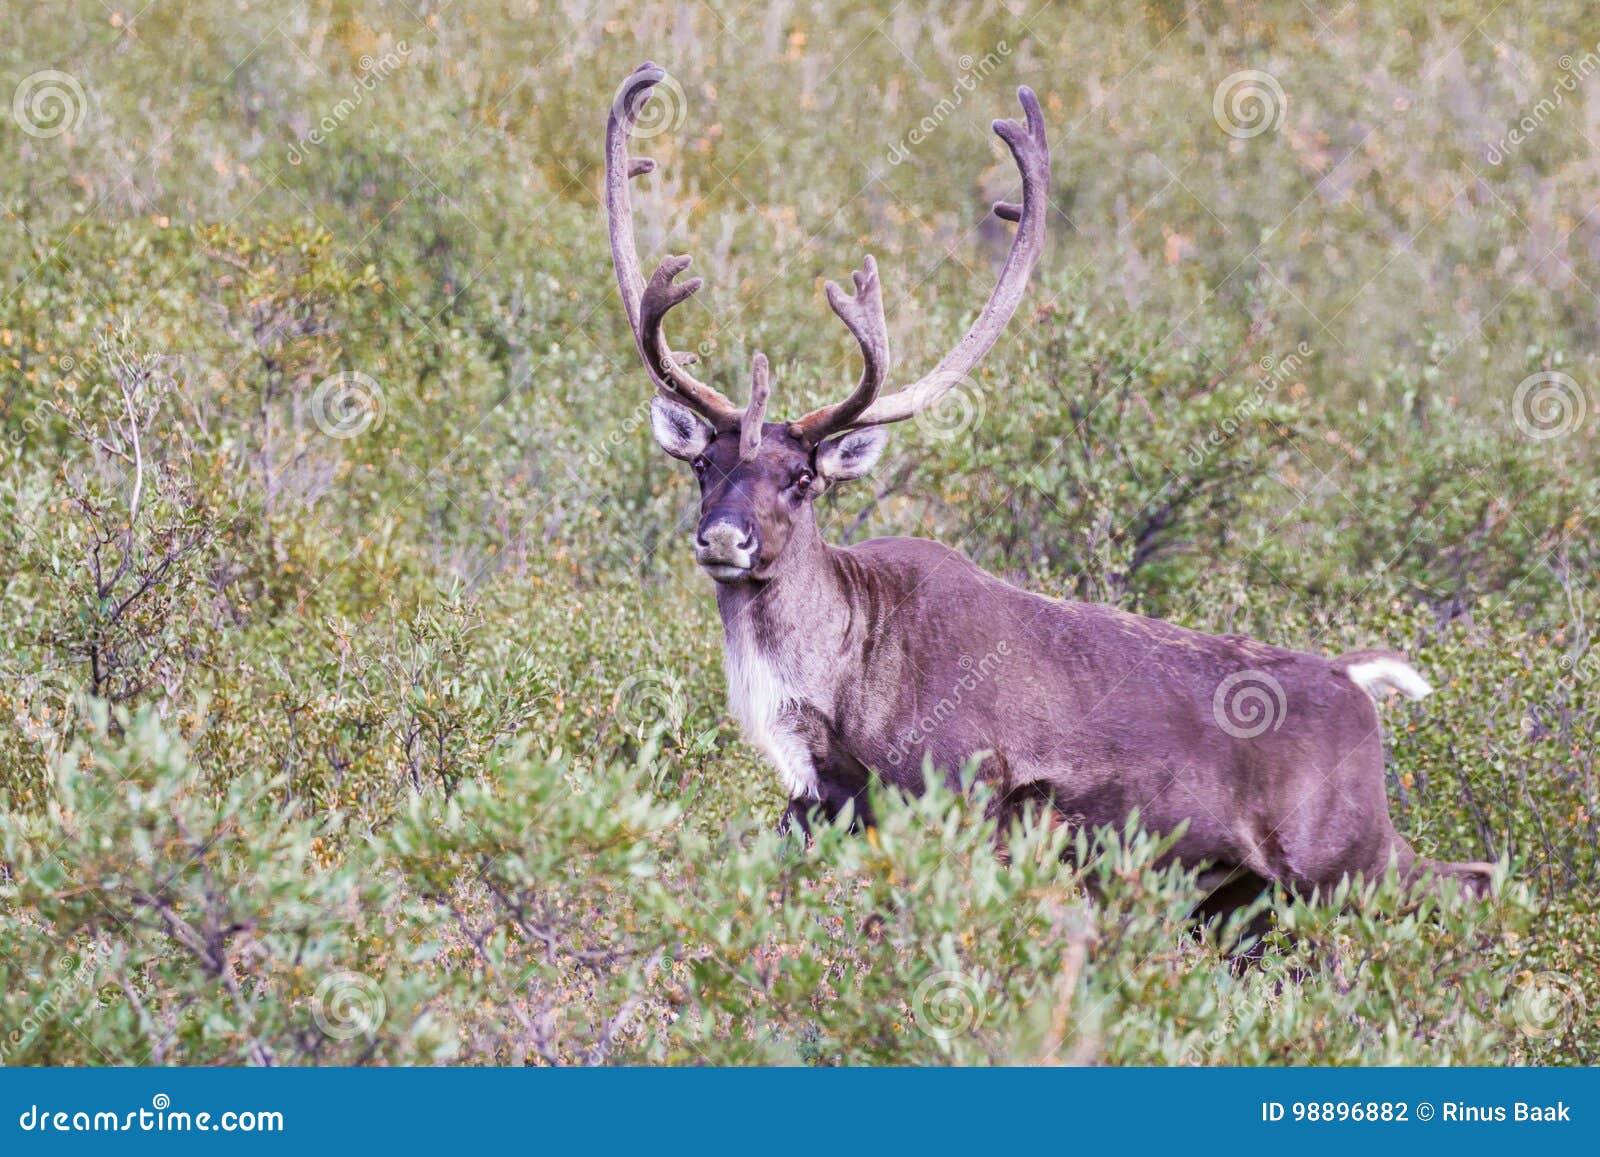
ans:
x=362 y=702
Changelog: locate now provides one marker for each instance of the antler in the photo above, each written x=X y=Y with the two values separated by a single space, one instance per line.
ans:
x=863 y=314
x=756 y=412
x=647 y=303
x=1031 y=149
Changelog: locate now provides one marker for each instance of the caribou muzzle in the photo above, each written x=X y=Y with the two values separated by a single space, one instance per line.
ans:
x=726 y=549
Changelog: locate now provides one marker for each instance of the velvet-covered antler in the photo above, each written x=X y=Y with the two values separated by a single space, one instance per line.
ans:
x=864 y=313
x=647 y=303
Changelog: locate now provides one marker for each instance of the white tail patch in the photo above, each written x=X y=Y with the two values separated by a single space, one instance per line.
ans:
x=1377 y=676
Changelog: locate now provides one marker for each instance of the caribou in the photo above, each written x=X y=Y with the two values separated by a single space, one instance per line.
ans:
x=894 y=655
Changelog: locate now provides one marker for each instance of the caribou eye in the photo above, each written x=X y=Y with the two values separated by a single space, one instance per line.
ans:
x=699 y=465
x=802 y=481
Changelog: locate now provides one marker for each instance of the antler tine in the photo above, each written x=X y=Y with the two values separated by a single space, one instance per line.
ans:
x=1030 y=147
x=661 y=293
x=646 y=303
x=755 y=414
x=863 y=315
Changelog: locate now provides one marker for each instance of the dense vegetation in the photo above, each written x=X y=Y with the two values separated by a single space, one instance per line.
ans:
x=361 y=702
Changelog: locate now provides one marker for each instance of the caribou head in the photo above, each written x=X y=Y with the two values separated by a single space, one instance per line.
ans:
x=758 y=479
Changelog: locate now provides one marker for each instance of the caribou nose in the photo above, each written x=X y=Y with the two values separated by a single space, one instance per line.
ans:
x=726 y=535
x=726 y=541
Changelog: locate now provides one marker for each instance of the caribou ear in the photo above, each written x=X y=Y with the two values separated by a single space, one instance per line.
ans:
x=851 y=455
x=678 y=429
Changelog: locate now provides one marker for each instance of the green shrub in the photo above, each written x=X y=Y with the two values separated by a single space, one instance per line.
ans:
x=362 y=703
